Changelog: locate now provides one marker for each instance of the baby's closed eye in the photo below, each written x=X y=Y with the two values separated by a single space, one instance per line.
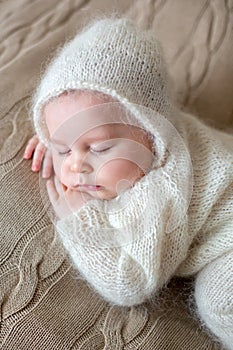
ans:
x=97 y=148
x=100 y=149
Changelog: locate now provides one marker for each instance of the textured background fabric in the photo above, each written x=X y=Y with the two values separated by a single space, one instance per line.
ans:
x=44 y=303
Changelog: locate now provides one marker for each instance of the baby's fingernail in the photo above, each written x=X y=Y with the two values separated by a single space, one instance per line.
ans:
x=34 y=168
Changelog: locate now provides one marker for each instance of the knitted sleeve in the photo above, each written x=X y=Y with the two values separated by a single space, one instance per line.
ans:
x=124 y=247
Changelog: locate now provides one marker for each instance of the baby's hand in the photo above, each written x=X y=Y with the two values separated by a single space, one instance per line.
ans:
x=40 y=154
x=64 y=200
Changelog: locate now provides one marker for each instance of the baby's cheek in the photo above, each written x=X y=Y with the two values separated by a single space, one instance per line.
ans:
x=119 y=169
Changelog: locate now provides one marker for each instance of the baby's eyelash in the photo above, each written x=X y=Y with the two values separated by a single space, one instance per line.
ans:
x=63 y=153
x=91 y=149
x=100 y=151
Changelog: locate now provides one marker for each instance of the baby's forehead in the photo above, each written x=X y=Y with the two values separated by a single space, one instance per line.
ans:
x=77 y=114
x=98 y=133
x=119 y=129
x=112 y=129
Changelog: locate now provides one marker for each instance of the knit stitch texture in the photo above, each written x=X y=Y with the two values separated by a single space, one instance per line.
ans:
x=127 y=255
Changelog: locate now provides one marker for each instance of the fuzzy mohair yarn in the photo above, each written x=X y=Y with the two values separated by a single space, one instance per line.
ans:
x=175 y=221
x=110 y=56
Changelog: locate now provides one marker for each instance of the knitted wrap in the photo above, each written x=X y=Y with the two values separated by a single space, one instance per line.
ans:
x=129 y=247
x=178 y=217
x=114 y=57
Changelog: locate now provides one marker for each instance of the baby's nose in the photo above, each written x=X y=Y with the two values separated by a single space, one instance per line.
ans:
x=80 y=166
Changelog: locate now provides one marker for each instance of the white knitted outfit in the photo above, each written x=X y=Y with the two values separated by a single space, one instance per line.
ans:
x=129 y=247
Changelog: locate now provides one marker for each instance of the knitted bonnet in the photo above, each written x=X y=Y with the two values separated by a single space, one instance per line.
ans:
x=114 y=57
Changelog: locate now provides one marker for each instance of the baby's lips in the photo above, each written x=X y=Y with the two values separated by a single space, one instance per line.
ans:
x=88 y=187
x=64 y=187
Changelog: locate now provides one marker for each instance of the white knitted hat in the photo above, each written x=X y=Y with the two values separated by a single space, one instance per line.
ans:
x=114 y=57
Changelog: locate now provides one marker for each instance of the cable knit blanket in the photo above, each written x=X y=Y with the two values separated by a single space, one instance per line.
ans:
x=44 y=303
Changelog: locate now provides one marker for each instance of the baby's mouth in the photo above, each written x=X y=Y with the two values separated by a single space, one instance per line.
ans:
x=87 y=187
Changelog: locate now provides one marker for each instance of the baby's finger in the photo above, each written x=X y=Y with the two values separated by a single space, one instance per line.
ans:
x=47 y=164
x=52 y=192
x=58 y=186
x=31 y=145
x=38 y=156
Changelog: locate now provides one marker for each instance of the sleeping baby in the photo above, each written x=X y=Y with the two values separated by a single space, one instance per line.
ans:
x=142 y=191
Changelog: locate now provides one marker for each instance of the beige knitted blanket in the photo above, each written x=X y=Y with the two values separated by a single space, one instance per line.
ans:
x=44 y=303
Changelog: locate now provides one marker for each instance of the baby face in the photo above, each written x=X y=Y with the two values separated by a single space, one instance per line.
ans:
x=93 y=151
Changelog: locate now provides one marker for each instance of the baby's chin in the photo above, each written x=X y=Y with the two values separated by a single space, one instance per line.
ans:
x=102 y=194
x=107 y=194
